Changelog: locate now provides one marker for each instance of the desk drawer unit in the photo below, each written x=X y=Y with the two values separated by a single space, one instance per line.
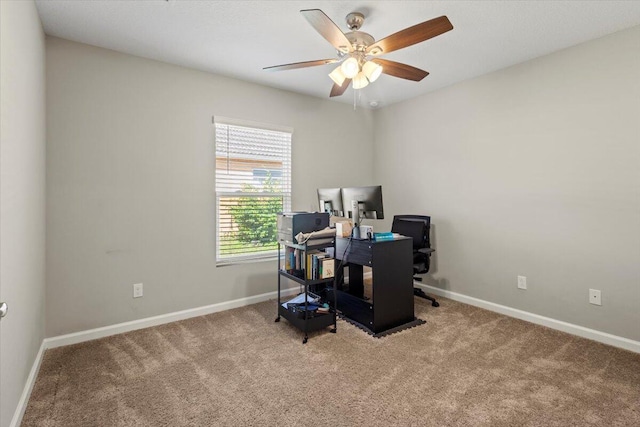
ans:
x=358 y=252
x=392 y=282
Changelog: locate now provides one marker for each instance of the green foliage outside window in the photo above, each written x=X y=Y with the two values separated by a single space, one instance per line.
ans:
x=256 y=216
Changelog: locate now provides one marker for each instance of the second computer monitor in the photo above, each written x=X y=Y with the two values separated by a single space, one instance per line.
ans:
x=368 y=199
x=330 y=200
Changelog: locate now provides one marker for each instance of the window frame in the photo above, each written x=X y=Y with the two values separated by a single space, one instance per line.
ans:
x=284 y=195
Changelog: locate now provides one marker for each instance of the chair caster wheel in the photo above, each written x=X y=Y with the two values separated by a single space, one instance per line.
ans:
x=304 y=341
x=333 y=331
x=435 y=304
x=277 y=319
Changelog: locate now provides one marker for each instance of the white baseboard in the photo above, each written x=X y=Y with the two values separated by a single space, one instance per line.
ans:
x=105 y=331
x=559 y=325
x=26 y=392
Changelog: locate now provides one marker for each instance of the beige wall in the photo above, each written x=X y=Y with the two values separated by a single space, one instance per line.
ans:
x=22 y=201
x=130 y=181
x=532 y=170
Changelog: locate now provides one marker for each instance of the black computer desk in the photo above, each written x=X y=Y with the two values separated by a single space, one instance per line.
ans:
x=388 y=304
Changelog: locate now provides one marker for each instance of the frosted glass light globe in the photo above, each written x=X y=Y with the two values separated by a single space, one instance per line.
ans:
x=350 y=68
x=360 y=81
x=372 y=70
x=337 y=76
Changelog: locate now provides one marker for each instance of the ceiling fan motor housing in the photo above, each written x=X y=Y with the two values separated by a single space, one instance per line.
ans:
x=360 y=40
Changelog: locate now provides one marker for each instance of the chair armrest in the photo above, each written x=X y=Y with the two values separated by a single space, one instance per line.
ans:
x=427 y=251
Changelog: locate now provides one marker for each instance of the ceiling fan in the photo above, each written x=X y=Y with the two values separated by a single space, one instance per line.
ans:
x=358 y=51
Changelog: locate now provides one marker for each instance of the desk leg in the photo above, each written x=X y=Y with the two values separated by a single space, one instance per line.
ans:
x=338 y=267
x=356 y=280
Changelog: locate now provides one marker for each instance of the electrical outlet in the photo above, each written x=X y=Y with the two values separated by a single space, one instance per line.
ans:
x=595 y=297
x=522 y=282
x=137 y=290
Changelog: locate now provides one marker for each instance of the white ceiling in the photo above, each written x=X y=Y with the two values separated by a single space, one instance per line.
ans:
x=239 y=38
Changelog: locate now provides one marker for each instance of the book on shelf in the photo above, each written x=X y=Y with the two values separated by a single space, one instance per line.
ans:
x=327 y=268
x=289 y=258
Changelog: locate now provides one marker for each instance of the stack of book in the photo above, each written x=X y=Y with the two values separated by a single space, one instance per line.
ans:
x=319 y=266
x=293 y=261
x=316 y=265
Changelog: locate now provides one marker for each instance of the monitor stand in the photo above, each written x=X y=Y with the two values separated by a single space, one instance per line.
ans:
x=355 y=212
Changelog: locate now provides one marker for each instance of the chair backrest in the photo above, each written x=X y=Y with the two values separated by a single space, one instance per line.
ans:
x=415 y=226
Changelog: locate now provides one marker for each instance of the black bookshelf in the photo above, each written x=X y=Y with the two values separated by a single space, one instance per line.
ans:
x=301 y=271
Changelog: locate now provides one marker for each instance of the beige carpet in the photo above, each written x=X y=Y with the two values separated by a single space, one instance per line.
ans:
x=465 y=367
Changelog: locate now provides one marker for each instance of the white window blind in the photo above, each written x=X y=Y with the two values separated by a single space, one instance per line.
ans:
x=253 y=184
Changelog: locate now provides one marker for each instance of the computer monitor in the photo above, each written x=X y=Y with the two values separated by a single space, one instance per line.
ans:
x=330 y=201
x=363 y=202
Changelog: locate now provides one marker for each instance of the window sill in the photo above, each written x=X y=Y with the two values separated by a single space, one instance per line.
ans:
x=225 y=263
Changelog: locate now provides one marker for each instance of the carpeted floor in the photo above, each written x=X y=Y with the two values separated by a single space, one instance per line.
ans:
x=464 y=367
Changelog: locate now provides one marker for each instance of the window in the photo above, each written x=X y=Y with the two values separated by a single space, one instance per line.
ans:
x=253 y=184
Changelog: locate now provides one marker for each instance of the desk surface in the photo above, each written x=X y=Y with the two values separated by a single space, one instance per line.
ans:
x=360 y=251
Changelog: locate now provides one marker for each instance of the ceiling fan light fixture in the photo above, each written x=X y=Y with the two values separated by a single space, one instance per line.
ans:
x=360 y=81
x=350 y=67
x=337 y=76
x=371 y=70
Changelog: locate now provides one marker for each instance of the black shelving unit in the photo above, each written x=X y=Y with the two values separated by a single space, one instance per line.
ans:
x=307 y=321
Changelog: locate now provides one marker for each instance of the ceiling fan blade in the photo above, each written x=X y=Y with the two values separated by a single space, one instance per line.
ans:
x=301 y=64
x=339 y=90
x=410 y=36
x=403 y=71
x=327 y=29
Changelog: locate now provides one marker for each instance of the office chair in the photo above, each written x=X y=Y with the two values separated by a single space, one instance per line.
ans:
x=417 y=227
